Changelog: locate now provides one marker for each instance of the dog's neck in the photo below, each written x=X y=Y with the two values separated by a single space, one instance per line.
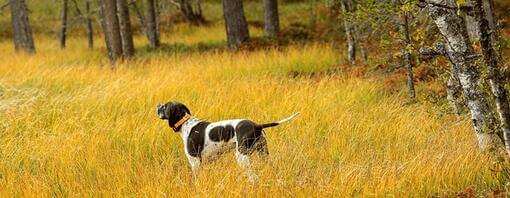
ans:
x=187 y=126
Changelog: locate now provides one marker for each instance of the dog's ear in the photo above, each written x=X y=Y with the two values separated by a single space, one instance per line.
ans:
x=185 y=108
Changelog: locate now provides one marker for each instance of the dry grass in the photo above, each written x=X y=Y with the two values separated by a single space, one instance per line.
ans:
x=71 y=126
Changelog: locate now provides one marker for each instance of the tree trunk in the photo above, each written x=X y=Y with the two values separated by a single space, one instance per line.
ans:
x=313 y=15
x=126 y=34
x=63 y=28
x=363 y=51
x=88 y=21
x=235 y=23
x=271 y=20
x=111 y=29
x=495 y=78
x=461 y=54
x=348 y=7
x=472 y=23
x=192 y=16
x=22 y=34
x=199 y=8
x=152 y=31
x=454 y=94
x=407 y=56
x=139 y=16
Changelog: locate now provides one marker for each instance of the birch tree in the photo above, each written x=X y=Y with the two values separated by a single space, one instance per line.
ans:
x=461 y=54
x=408 y=63
x=348 y=8
x=495 y=78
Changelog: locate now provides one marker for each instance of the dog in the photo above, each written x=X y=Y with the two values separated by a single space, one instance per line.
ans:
x=204 y=140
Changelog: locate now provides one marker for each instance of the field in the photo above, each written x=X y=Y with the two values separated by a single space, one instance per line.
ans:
x=71 y=126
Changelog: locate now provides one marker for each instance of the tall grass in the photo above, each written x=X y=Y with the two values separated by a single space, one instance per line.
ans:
x=71 y=126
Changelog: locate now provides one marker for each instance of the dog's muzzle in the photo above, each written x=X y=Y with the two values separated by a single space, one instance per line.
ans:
x=161 y=111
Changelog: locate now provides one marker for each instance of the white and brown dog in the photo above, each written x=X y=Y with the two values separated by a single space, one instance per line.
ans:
x=204 y=140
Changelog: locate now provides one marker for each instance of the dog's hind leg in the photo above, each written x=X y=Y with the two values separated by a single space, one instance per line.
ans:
x=262 y=149
x=245 y=163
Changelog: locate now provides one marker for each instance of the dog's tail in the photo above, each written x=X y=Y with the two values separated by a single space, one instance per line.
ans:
x=261 y=126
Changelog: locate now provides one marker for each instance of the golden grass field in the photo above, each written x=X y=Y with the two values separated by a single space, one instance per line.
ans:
x=70 y=126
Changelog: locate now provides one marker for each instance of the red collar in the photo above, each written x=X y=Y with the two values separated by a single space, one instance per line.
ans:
x=180 y=122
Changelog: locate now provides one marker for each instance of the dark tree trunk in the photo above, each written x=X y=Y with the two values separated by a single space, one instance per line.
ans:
x=126 y=34
x=138 y=16
x=461 y=54
x=495 y=78
x=271 y=20
x=472 y=23
x=63 y=28
x=407 y=56
x=235 y=23
x=199 y=8
x=88 y=21
x=192 y=16
x=313 y=15
x=22 y=34
x=111 y=29
x=348 y=7
x=152 y=30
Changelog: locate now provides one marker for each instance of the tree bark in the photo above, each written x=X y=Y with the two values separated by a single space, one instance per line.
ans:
x=235 y=23
x=126 y=34
x=192 y=16
x=63 y=28
x=461 y=54
x=348 y=7
x=111 y=29
x=22 y=34
x=138 y=15
x=271 y=19
x=363 y=51
x=495 y=78
x=88 y=21
x=454 y=94
x=313 y=15
x=152 y=31
x=472 y=23
x=407 y=56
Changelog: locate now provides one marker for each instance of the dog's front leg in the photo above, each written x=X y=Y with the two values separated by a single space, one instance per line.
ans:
x=195 y=166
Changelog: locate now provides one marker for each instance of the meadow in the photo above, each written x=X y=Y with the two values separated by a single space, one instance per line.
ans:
x=71 y=126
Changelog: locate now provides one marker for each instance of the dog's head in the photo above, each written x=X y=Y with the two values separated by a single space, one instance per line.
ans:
x=172 y=111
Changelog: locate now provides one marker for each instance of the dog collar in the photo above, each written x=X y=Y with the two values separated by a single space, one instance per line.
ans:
x=180 y=122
